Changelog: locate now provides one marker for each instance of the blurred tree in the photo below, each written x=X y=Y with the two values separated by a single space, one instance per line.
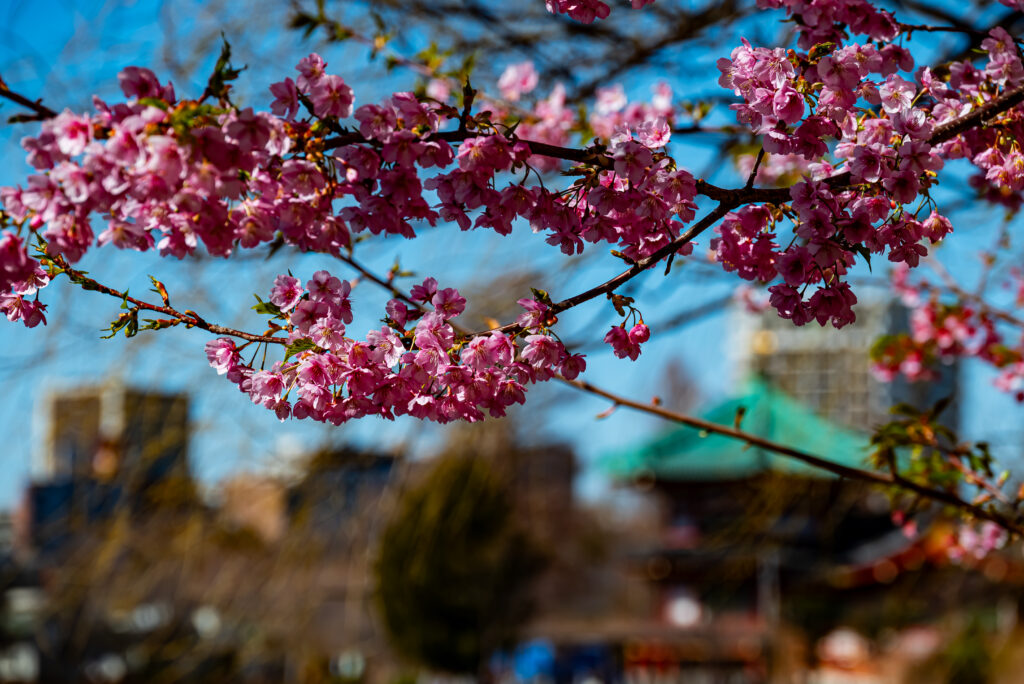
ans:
x=967 y=660
x=455 y=569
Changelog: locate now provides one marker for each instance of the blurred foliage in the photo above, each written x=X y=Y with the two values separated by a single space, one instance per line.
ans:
x=455 y=569
x=965 y=660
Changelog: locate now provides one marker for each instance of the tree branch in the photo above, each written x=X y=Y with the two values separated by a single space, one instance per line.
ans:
x=190 y=318
x=636 y=269
x=872 y=477
x=41 y=110
x=910 y=28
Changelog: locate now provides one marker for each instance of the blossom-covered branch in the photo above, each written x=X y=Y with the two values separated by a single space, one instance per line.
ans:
x=852 y=129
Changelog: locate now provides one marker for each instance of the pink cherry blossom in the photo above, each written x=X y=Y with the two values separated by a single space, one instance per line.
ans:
x=331 y=97
x=517 y=80
x=286 y=293
x=222 y=354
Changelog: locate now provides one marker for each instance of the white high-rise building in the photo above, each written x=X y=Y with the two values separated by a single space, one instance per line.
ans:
x=829 y=370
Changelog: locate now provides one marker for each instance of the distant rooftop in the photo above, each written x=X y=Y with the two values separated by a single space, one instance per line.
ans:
x=682 y=453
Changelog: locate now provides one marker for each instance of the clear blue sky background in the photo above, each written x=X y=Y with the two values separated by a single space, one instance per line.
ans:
x=64 y=52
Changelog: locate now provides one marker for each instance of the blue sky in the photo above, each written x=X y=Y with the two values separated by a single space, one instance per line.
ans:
x=64 y=52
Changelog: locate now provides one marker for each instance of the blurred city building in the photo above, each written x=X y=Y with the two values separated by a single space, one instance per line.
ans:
x=139 y=437
x=255 y=502
x=744 y=530
x=106 y=448
x=829 y=370
x=114 y=459
x=751 y=567
x=765 y=565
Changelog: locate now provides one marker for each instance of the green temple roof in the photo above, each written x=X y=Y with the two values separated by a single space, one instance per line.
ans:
x=682 y=453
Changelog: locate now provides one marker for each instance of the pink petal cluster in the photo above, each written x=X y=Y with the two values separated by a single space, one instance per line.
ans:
x=587 y=11
x=21 y=276
x=652 y=120
x=820 y=21
x=975 y=541
x=517 y=80
x=627 y=344
x=416 y=365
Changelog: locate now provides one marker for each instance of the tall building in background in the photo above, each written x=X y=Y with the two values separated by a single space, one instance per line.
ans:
x=74 y=435
x=105 y=448
x=829 y=370
x=136 y=437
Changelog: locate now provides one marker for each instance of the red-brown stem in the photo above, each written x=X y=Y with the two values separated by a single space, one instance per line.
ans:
x=40 y=109
x=189 y=318
x=872 y=477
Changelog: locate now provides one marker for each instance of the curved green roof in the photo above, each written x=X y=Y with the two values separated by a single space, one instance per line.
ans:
x=684 y=454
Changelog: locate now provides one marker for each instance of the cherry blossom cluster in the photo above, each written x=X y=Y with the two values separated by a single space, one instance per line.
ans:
x=613 y=112
x=169 y=175
x=823 y=21
x=882 y=124
x=21 y=276
x=940 y=333
x=550 y=121
x=746 y=245
x=414 y=365
x=160 y=174
x=586 y=11
x=626 y=344
x=975 y=541
x=854 y=121
x=943 y=330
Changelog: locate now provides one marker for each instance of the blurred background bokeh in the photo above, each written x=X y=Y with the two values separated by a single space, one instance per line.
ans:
x=156 y=527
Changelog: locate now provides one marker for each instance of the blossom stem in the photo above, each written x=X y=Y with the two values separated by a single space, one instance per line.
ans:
x=189 y=318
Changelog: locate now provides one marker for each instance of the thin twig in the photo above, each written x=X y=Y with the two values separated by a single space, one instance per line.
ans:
x=753 y=172
x=910 y=28
x=188 y=317
x=891 y=480
x=36 y=106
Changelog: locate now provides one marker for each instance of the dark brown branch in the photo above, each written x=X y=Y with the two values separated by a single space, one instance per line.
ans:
x=584 y=156
x=36 y=106
x=190 y=318
x=645 y=263
x=940 y=496
x=636 y=269
x=910 y=28
x=951 y=129
x=934 y=11
x=753 y=172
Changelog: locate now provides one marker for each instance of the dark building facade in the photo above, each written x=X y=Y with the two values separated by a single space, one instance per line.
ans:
x=106 y=448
